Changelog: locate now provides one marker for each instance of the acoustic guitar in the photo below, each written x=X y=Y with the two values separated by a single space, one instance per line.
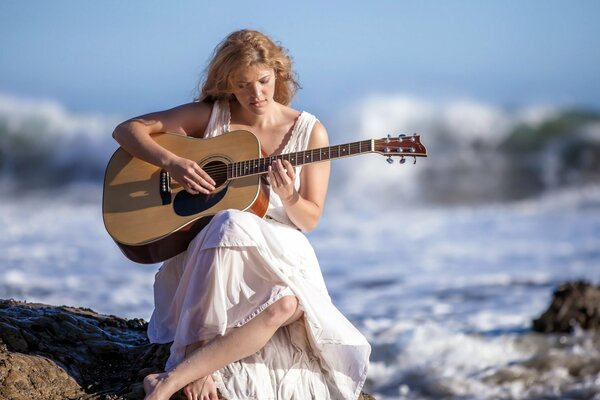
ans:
x=152 y=218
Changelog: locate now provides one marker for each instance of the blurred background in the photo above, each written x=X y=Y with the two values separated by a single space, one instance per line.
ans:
x=442 y=264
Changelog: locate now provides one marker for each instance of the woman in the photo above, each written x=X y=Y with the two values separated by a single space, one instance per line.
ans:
x=224 y=300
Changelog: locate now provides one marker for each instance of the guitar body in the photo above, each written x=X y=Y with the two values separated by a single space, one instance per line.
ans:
x=152 y=218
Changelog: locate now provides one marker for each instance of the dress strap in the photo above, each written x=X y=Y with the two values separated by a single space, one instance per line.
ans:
x=218 y=123
x=301 y=133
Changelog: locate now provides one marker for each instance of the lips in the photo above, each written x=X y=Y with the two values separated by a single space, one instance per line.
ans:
x=258 y=103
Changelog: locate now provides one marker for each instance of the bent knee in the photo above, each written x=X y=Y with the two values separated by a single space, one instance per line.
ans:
x=280 y=311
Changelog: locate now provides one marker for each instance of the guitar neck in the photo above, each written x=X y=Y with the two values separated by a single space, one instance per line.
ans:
x=260 y=166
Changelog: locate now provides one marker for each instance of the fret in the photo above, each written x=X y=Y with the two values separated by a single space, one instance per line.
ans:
x=261 y=165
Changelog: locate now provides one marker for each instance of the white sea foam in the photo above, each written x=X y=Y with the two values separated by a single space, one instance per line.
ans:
x=43 y=136
x=444 y=294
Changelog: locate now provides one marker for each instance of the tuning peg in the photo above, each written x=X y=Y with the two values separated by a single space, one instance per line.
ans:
x=389 y=160
x=387 y=139
x=414 y=160
x=402 y=160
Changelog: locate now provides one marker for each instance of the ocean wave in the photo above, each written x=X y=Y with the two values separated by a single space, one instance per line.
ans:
x=435 y=362
x=478 y=152
x=44 y=144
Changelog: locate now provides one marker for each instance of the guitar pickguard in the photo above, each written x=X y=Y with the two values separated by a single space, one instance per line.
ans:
x=186 y=204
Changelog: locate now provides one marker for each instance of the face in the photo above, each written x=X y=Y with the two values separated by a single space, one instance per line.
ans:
x=254 y=87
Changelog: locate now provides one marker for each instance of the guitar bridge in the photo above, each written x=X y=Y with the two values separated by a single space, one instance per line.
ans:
x=165 y=187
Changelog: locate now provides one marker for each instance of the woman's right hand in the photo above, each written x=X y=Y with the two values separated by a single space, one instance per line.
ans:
x=190 y=176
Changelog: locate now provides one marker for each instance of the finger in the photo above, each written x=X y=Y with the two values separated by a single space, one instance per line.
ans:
x=188 y=393
x=199 y=182
x=205 y=187
x=291 y=172
x=283 y=173
x=271 y=175
x=195 y=188
x=192 y=187
x=204 y=175
x=278 y=169
x=277 y=174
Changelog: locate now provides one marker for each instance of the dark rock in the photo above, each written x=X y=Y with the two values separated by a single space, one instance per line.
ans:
x=574 y=304
x=73 y=353
x=66 y=353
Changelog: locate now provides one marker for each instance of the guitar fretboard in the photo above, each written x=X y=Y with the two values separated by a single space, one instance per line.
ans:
x=261 y=165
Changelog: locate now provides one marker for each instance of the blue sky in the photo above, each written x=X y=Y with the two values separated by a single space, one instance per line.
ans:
x=129 y=57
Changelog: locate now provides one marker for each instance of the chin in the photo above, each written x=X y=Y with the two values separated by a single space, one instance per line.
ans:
x=259 y=109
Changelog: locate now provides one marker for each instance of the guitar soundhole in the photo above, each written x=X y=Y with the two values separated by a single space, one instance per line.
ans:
x=186 y=204
x=218 y=171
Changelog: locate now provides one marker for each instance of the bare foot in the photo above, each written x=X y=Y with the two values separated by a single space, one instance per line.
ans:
x=202 y=389
x=157 y=387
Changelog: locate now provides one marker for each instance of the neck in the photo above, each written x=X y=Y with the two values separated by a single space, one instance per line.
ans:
x=241 y=116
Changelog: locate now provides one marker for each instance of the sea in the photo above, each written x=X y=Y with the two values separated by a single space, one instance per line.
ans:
x=442 y=264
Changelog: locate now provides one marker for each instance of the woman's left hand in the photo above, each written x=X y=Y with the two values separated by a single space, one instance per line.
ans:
x=282 y=176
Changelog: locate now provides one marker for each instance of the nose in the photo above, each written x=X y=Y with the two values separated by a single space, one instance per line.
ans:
x=255 y=89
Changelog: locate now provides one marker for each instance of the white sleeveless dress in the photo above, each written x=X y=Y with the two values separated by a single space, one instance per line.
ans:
x=237 y=266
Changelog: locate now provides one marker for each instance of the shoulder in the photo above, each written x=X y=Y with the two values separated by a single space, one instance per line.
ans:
x=318 y=136
x=192 y=117
x=289 y=114
x=197 y=109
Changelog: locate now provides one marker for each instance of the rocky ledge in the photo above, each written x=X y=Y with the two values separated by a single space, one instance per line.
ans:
x=65 y=353
x=574 y=304
x=49 y=352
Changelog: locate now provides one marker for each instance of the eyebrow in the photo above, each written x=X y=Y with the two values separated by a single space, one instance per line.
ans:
x=261 y=78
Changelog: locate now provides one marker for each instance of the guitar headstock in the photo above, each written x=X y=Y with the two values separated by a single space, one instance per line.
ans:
x=401 y=145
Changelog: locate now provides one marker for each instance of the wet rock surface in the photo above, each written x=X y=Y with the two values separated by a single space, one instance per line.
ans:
x=49 y=352
x=52 y=352
x=574 y=304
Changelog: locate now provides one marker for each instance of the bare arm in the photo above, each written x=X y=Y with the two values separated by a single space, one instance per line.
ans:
x=304 y=207
x=189 y=119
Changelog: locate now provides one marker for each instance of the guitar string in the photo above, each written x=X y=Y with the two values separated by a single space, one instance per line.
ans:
x=222 y=168
x=257 y=165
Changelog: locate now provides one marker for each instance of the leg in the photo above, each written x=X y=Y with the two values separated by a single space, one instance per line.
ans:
x=235 y=345
x=203 y=388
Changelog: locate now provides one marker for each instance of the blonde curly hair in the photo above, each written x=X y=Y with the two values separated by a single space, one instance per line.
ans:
x=242 y=49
